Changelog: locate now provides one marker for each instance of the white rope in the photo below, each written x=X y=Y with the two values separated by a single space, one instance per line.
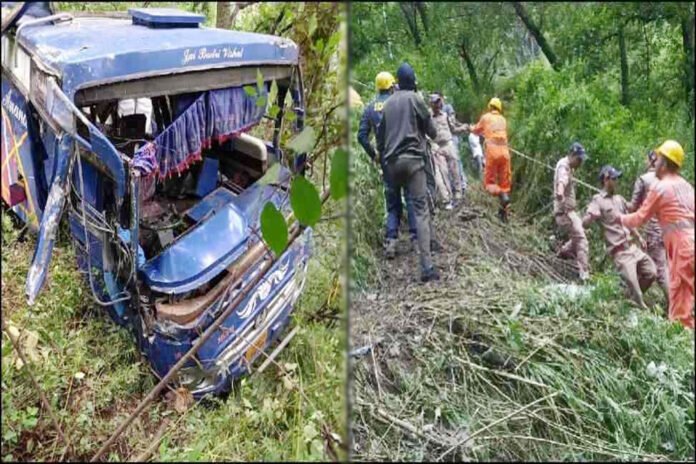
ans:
x=355 y=81
x=584 y=184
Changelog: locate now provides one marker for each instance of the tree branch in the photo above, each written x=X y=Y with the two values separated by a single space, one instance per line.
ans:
x=464 y=53
x=538 y=36
x=410 y=16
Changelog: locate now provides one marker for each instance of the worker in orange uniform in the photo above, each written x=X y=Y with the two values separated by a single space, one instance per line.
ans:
x=498 y=173
x=671 y=200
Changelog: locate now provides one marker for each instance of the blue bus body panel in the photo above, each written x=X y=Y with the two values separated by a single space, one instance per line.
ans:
x=89 y=51
x=22 y=156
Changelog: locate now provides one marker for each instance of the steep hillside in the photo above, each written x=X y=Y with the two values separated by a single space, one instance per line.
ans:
x=507 y=358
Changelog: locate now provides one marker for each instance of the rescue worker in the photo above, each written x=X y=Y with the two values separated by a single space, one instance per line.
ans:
x=384 y=82
x=636 y=267
x=449 y=110
x=653 y=233
x=498 y=173
x=447 y=179
x=441 y=176
x=671 y=200
x=567 y=219
x=402 y=144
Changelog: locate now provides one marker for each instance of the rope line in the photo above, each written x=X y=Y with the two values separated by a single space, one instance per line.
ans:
x=584 y=184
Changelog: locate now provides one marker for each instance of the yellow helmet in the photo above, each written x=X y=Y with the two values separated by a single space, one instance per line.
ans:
x=673 y=151
x=495 y=103
x=384 y=81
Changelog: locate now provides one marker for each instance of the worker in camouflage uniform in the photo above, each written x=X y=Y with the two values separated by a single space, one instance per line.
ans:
x=444 y=153
x=384 y=82
x=564 y=204
x=653 y=233
x=449 y=110
x=636 y=268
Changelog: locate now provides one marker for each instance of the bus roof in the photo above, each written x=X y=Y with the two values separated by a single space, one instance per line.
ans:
x=85 y=52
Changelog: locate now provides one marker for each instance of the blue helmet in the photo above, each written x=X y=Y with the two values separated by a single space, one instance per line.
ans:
x=577 y=149
x=610 y=172
x=406 y=77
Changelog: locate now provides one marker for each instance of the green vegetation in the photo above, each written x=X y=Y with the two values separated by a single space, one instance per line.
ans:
x=622 y=83
x=504 y=329
x=90 y=369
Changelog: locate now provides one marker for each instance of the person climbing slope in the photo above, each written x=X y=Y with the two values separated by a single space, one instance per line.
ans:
x=653 y=233
x=402 y=144
x=564 y=204
x=498 y=173
x=449 y=110
x=636 y=267
x=671 y=200
x=384 y=83
x=447 y=172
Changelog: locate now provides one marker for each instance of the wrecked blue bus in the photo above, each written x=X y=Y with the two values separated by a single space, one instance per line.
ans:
x=136 y=130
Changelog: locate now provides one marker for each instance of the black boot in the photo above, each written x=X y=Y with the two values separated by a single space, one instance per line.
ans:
x=390 y=248
x=504 y=207
x=430 y=274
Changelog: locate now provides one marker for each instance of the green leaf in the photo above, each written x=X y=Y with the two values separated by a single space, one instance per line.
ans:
x=271 y=175
x=312 y=25
x=339 y=174
x=304 y=141
x=290 y=116
x=273 y=93
x=319 y=45
x=273 y=111
x=261 y=101
x=274 y=229
x=250 y=91
x=259 y=81
x=305 y=201
x=333 y=41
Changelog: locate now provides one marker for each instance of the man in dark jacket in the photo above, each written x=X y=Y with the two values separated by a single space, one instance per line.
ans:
x=384 y=82
x=401 y=142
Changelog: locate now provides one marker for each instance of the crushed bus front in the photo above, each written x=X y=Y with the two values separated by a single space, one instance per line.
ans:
x=140 y=129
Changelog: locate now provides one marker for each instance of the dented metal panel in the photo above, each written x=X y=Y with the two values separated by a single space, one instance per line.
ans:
x=51 y=219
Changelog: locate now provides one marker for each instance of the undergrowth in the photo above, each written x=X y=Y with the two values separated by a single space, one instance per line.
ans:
x=452 y=369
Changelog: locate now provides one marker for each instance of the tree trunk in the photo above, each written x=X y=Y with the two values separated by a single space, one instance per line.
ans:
x=538 y=36
x=625 y=94
x=647 y=56
x=464 y=53
x=420 y=6
x=687 y=26
x=224 y=15
x=410 y=16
